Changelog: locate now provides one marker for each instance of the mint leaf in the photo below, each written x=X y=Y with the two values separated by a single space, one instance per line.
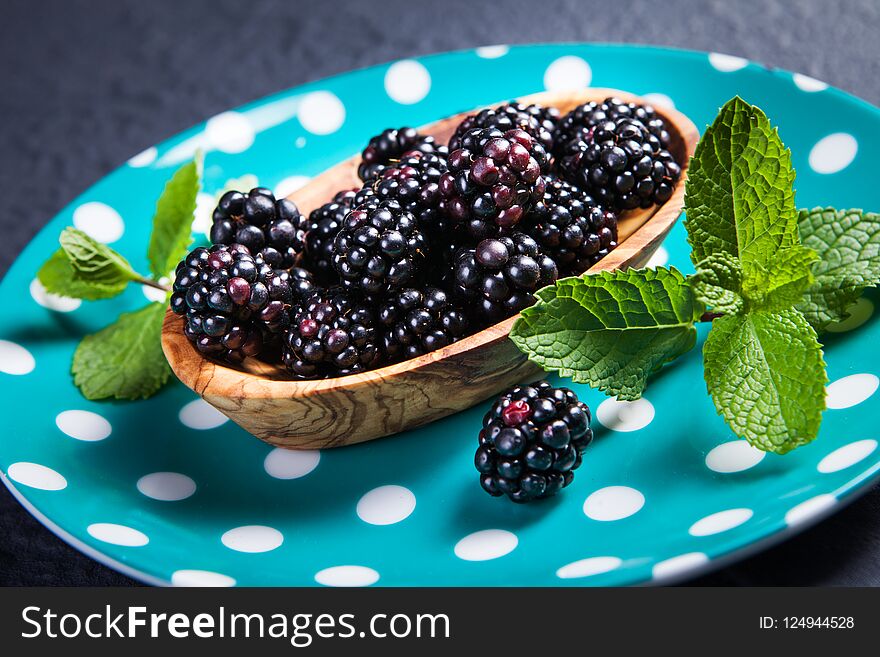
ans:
x=95 y=263
x=124 y=360
x=718 y=283
x=783 y=283
x=739 y=196
x=611 y=329
x=172 y=223
x=767 y=378
x=59 y=277
x=848 y=245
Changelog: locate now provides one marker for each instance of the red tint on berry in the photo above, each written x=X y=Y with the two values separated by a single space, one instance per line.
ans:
x=308 y=328
x=516 y=413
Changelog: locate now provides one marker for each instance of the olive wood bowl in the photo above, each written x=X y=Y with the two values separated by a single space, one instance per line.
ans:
x=360 y=407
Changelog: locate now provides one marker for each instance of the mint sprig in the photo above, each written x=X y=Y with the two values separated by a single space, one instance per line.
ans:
x=770 y=276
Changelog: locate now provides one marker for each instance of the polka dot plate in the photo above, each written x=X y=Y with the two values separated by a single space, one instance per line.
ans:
x=167 y=491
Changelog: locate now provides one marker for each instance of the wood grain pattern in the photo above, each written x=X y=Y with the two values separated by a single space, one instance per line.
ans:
x=361 y=407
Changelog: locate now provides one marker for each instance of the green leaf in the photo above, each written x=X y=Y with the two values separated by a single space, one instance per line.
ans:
x=767 y=378
x=739 y=196
x=95 y=263
x=172 y=223
x=59 y=277
x=848 y=245
x=718 y=283
x=783 y=283
x=611 y=329
x=124 y=360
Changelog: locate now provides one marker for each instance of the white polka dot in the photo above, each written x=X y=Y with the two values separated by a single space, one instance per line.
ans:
x=15 y=359
x=252 y=538
x=613 y=503
x=587 y=567
x=846 y=456
x=201 y=578
x=291 y=463
x=83 y=425
x=145 y=158
x=407 y=82
x=321 y=113
x=289 y=185
x=660 y=258
x=720 y=522
x=833 y=153
x=734 y=456
x=166 y=486
x=625 y=415
x=300 y=142
x=199 y=414
x=859 y=313
x=99 y=221
x=203 y=216
x=678 y=565
x=155 y=294
x=229 y=132
x=809 y=509
x=347 y=576
x=659 y=100
x=492 y=52
x=567 y=73
x=36 y=476
x=806 y=83
x=118 y=534
x=850 y=390
x=727 y=63
x=386 y=505
x=486 y=544
x=52 y=301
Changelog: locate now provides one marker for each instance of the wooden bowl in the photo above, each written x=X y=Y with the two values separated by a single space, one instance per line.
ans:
x=361 y=407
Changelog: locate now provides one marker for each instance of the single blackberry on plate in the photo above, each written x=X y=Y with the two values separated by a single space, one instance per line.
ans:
x=332 y=333
x=324 y=224
x=532 y=441
x=379 y=248
x=540 y=122
x=389 y=146
x=494 y=178
x=571 y=228
x=273 y=228
x=498 y=278
x=418 y=321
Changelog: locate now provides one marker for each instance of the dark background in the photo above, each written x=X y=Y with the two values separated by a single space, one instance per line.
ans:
x=87 y=84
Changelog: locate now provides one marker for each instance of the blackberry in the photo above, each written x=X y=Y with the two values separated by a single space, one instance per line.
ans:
x=332 y=333
x=379 y=248
x=389 y=146
x=532 y=441
x=324 y=224
x=493 y=180
x=499 y=277
x=571 y=228
x=419 y=321
x=273 y=228
x=540 y=122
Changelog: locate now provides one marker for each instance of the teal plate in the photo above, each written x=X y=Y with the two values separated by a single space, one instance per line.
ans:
x=167 y=491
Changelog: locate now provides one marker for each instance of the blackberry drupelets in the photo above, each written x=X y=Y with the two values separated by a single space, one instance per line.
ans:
x=532 y=441
x=273 y=228
x=418 y=321
x=324 y=224
x=539 y=122
x=494 y=178
x=498 y=278
x=571 y=228
x=332 y=333
x=389 y=146
x=379 y=248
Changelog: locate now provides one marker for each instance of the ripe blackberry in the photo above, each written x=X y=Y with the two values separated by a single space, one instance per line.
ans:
x=389 y=146
x=493 y=180
x=540 y=122
x=332 y=333
x=500 y=276
x=272 y=228
x=324 y=224
x=571 y=228
x=379 y=248
x=532 y=441
x=419 y=321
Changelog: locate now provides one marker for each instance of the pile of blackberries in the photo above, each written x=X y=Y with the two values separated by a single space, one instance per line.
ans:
x=439 y=242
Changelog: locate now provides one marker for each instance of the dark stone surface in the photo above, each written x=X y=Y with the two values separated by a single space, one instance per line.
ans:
x=88 y=84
